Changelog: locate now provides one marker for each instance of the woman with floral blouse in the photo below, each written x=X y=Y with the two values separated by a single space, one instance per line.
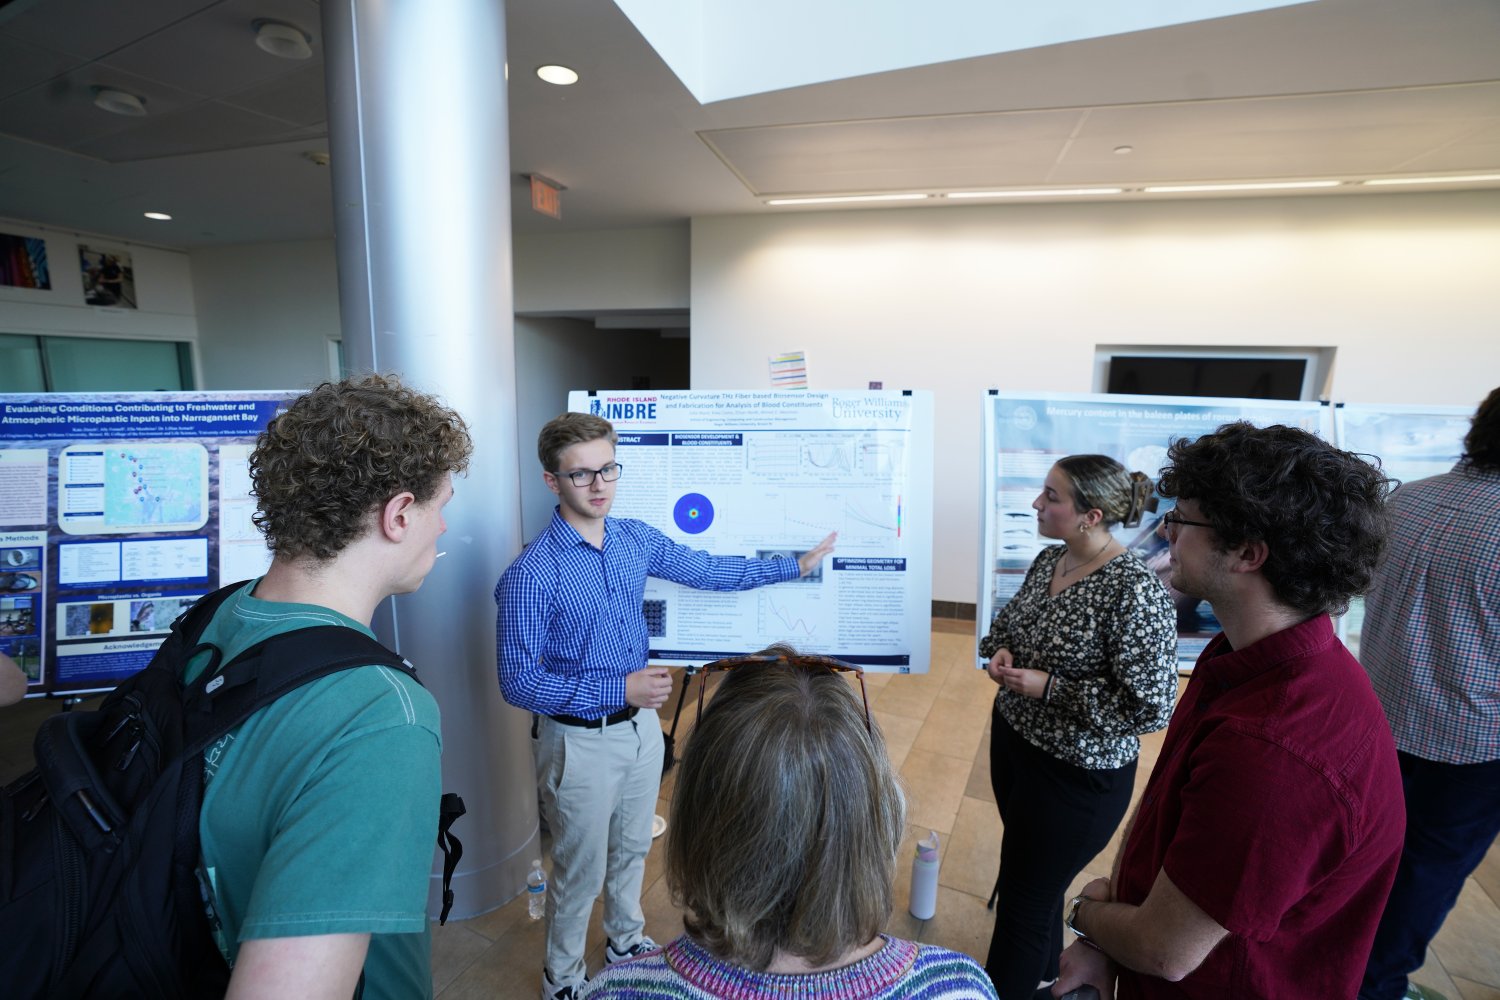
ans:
x=1085 y=655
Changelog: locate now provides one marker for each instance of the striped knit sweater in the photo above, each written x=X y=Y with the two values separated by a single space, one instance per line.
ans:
x=901 y=970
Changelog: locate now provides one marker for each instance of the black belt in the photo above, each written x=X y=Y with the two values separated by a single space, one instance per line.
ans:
x=612 y=719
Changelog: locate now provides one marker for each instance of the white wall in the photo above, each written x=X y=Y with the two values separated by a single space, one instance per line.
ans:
x=555 y=356
x=959 y=299
x=163 y=289
x=602 y=270
x=266 y=312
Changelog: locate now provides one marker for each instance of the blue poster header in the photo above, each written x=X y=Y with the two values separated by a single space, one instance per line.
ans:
x=98 y=418
x=870 y=564
x=700 y=438
x=658 y=439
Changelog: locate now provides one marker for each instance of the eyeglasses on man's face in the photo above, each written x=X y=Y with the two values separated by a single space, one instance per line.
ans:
x=802 y=661
x=585 y=477
x=1172 y=522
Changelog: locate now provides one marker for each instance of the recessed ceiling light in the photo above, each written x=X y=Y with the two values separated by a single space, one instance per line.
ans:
x=159 y=216
x=1037 y=193
x=1124 y=150
x=560 y=75
x=1269 y=186
x=282 y=39
x=119 y=102
x=1435 y=180
x=846 y=198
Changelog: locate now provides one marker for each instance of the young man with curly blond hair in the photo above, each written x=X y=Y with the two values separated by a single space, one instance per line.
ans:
x=319 y=813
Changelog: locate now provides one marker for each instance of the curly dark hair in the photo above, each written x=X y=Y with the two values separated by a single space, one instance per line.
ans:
x=341 y=451
x=1482 y=443
x=1320 y=511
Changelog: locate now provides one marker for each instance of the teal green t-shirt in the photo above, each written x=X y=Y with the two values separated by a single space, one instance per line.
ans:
x=320 y=812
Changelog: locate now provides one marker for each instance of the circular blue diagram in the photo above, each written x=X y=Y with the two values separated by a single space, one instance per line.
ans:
x=693 y=513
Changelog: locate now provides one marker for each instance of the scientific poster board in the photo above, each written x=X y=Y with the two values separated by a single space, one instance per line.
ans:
x=117 y=512
x=768 y=475
x=1025 y=433
x=1412 y=442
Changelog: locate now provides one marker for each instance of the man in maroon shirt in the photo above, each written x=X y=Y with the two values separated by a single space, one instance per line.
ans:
x=1266 y=840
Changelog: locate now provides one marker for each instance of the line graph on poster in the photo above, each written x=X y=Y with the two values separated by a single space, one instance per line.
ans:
x=866 y=519
x=789 y=617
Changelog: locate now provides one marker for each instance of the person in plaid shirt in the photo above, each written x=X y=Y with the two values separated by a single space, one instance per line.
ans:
x=1431 y=644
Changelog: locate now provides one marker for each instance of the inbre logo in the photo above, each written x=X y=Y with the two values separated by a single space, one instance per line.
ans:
x=622 y=411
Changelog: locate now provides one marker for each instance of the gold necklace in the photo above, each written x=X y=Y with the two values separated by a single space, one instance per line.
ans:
x=1097 y=553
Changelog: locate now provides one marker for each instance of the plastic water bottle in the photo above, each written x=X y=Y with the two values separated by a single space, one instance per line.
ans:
x=924 y=878
x=536 y=891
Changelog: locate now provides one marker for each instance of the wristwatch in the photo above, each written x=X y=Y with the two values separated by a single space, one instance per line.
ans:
x=1072 y=920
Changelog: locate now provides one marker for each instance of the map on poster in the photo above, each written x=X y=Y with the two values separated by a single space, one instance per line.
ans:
x=1024 y=434
x=117 y=512
x=768 y=475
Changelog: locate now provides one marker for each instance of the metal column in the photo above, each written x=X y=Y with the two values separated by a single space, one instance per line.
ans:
x=418 y=128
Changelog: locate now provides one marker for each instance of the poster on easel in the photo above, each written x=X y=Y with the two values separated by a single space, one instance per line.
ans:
x=768 y=474
x=1023 y=434
x=1411 y=442
x=117 y=512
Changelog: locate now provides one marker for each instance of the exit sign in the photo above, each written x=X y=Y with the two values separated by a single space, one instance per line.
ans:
x=546 y=196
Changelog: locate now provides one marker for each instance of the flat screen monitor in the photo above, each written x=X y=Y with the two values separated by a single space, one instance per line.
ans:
x=1239 y=378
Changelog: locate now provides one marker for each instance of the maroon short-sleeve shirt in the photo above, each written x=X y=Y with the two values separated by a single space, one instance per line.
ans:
x=1276 y=807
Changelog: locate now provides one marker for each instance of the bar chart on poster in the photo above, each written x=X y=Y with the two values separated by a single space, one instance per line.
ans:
x=767 y=475
x=117 y=512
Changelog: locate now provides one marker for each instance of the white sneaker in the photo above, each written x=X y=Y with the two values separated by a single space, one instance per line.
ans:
x=567 y=991
x=644 y=946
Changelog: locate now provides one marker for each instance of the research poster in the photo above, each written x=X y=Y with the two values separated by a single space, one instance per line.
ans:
x=768 y=475
x=1024 y=434
x=1412 y=442
x=117 y=512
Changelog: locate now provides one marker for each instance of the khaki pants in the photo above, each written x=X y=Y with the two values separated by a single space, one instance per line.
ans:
x=598 y=791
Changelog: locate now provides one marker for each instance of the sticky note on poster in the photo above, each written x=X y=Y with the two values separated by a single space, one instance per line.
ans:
x=789 y=370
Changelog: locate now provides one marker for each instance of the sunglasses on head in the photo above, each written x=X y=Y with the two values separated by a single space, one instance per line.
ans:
x=799 y=661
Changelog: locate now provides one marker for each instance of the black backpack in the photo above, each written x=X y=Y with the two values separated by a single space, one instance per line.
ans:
x=100 y=895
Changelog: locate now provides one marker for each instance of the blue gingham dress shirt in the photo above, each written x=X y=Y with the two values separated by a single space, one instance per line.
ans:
x=1431 y=635
x=569 y=625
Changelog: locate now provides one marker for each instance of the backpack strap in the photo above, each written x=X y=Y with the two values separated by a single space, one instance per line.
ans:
x=219 y=701
x=450 y=808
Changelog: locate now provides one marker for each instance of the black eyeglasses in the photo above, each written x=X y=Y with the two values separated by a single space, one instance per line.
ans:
x=801 y=661
x=1171 y=521
x=585 y=477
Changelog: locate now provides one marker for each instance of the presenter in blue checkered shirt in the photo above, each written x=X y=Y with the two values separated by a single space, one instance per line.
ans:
x=572 y=641
x=1431 y=642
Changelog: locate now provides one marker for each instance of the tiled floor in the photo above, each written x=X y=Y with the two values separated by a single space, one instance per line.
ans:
x=936 y=727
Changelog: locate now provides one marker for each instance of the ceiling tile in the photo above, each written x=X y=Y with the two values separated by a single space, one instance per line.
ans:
x=91 y=28
x=23 y=65
x=61 y=112
x=213 y=53
x=947 y=151
x=1477 y=152
x=295 y=97
x=205 y=127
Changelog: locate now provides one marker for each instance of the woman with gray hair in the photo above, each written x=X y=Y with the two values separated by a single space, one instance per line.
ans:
x=786 y=820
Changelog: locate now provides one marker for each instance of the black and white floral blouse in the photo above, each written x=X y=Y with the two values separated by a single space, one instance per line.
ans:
x=1110 y=643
